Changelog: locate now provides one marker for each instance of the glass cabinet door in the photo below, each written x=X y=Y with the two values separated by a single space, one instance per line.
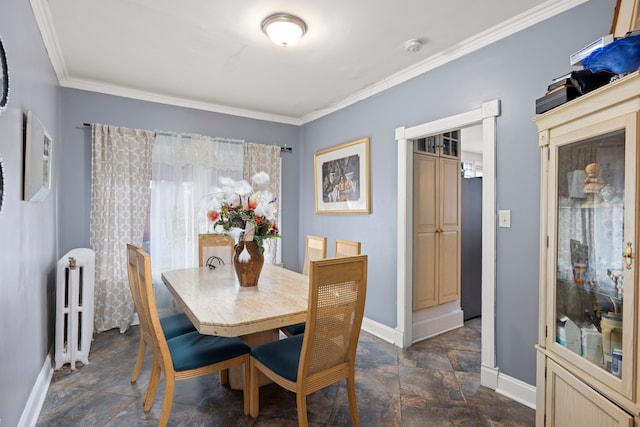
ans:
x=593 y=253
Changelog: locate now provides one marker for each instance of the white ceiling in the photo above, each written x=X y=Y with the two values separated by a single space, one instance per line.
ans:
x=212 y=54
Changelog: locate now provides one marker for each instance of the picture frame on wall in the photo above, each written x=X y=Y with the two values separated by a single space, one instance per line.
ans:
x=38 y=147
x=342 y=183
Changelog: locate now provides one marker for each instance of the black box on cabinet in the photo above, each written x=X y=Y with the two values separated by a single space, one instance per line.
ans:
x=556 y=98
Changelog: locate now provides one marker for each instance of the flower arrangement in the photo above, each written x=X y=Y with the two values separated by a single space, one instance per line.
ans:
x=235 y=209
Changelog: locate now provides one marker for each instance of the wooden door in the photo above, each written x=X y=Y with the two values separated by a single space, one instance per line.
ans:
x=425 y=224
x=449 y=235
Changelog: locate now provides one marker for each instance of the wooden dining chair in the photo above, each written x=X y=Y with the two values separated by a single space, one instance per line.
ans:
x=316 y=248
x=172 y=325
x=215 y=245
x=326 y=352
x=186 y=356
x=344 y=247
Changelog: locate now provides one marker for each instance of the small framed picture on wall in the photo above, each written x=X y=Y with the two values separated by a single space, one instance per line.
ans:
x=37 y=159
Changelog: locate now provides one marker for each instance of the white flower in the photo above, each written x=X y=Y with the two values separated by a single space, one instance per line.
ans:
x=261 y=178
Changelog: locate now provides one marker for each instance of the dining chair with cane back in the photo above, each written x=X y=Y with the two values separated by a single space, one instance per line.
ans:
x=186 y=356
x=325 y=353
x=344 y=247
x=215 y=249
x=172 y=325
x=316 y=248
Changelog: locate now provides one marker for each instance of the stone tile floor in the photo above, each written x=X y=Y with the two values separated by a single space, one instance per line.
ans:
x=433 y=383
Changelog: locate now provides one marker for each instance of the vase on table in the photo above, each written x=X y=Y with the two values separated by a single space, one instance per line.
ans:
x=248 y=268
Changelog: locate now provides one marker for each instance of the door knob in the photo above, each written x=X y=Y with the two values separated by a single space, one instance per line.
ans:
x=628 y=255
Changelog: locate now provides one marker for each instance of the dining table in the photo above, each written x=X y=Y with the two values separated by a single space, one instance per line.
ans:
x=216 y=304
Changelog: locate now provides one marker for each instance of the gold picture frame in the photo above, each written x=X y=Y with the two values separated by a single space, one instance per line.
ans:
x=342 y=183
x=626 y=17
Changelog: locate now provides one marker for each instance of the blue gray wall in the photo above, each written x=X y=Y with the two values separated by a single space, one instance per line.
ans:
x=27 y=229
x=517 y=71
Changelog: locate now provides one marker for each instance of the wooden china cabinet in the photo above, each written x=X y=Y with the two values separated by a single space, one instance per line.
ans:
x=587 y=352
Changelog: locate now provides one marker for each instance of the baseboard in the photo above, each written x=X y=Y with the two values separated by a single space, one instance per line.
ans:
x=517 y=390
x=38 y=394
x=437 y=324
x=489 y=377
x=383 y=332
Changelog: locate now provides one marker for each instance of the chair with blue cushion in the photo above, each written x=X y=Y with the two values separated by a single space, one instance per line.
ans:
x=186 y=356
x=316 y=248
x=172 y=326
x=326 y=352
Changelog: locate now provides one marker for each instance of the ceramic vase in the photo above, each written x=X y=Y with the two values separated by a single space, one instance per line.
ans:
x=248 y=272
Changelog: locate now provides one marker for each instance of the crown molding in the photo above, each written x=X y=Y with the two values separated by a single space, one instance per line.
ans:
x=505 y=29
x=42 y=13
x=511 y=26
x=127 y=92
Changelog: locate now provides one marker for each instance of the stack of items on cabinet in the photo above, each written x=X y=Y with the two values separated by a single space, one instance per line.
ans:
x=597 y=64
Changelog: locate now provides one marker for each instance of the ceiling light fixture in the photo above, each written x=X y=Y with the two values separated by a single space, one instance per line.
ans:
x=284 y=29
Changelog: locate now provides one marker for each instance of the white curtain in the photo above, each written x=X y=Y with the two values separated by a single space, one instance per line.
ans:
x=120 y=176
x=185 y=168
x=265 y=158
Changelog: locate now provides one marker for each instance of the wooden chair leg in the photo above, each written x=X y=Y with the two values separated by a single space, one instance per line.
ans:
x=224 y=377
x=254 y=390
x=246 y=392
x=138 y=366
x=301 y=403
x=353 y=404
x=152 y=387
x=169 y=385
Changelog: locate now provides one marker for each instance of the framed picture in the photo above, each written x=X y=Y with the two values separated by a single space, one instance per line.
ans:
x=37 y=159
x=342 y=178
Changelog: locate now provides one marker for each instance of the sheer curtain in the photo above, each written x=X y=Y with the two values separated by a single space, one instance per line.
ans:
x=120 y=175
x=185 y=167
x=265 y=158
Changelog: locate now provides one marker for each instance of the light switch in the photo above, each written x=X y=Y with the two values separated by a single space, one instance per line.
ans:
x=504 y=219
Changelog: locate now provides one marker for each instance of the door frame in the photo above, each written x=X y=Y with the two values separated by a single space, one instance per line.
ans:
x=486 y=115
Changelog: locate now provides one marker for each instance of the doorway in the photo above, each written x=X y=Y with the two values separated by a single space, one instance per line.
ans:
x=486 y=116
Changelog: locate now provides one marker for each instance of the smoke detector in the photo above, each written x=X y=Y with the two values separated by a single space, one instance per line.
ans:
x=413 y=45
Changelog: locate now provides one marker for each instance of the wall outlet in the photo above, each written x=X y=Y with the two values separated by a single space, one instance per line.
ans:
x=504 y=219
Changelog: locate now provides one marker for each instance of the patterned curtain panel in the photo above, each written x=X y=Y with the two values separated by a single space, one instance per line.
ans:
x=265 y=158
x=120 y=177
x=185 y=168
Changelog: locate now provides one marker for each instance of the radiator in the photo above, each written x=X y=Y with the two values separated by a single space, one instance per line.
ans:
x=74 y=307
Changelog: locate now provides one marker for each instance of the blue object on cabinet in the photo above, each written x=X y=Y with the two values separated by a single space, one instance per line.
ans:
x=621 y=56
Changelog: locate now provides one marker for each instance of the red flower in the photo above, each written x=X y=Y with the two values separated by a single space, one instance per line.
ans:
x=213 y=215
x=252 y=204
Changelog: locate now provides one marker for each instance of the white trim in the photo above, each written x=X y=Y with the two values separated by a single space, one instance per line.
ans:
x=32 y=409
x=382 y=331
x=517 y=390
x=487 y=116
x=436 y=320
x=489 y=376
x=533 y=16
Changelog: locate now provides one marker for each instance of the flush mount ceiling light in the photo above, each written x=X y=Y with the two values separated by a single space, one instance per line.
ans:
x=284 y=29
